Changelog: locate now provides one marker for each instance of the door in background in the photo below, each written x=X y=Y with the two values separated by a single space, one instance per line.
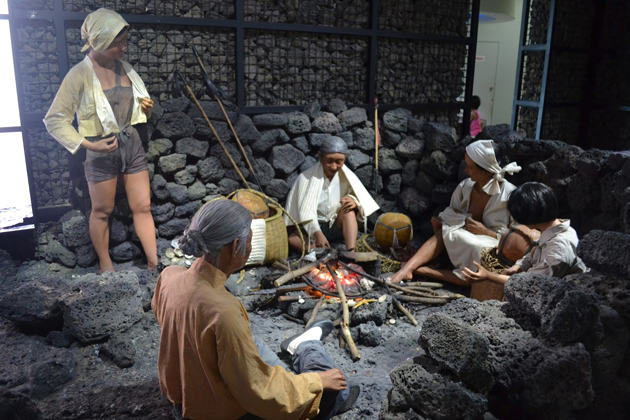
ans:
x=485 y=77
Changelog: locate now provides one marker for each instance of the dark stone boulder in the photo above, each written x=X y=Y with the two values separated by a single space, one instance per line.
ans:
x=393 y=183
x=101 y=305
x=270 y=120
x=178 y=193
x=158 y=187
x=364 y=139
x=352 y=117
x=375 y=312
x=86 y=256
x=410 y=148
x=213 y=111
x=606 y=252
x=17 y=406
x=313 y=110
x=187 y=175
x=162 y=212
x=459 y=348
x=196 y=191
x=356 y=158
x=337 y=106
x=396 y=120
x=370 y=178
x=188 y=209
x=159 y=147
x=370 y=334
x=120 y=350
x=414 y=203
x=298 y=123
x=127 y=251
x=278 y=188
x=317 y=139
x=59 y=339
x=409 y=172
x=264 y=171
x=179 y=104
x=74 y=226
x=270 y=138
x=118 y=232
x=233 y=150
x=388 y=161
x=246 y=130
x=173 y=227
x=35 y=304
x=308 y=162
x=440 y=137
x=172 y=163
x=55 y=252
x=286 y=158
x=175 y=125
x=301 y=144
x=210 y=169
x=327 y=123
x=439 y=165
x=192 y=147
x=442 y=193
x=48 y=375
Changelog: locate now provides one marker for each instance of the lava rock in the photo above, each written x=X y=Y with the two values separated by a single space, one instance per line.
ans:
x=410 y=169
x=35 y=304
x=440 y=137
x=126 y=251
x=179 y=104
x=175 y=125
x=298 y=123
x=118 y=232
x=327 y=123
x=278 y=188
x=120 y=350
x=375 y=312
x=414 y=125
x=55 y=252
x=371 y=179
x=188 y=209
x=186 y=176
x=459 y=348
x=352 y=117
x=16 y=405
x=356 y=158
x=86 y=256
x=178 y=193
x=370 y=335
x=364 y=139
x=162 y=212
x=246 y=130
x=264 y=171
x=192 y=147
x=606 y=251
x=337 y=106
x=52 y=373
x=226 y=186
x=286 y=158
x=158 y=186
x=59 y=339
x=347 y=137
x=426 y=393
x=410 y=148
x=301 y=144
x=173 y=227
x=233 y=150
x=210 y=170
x=424 y=182
x=317 y=139
x=101 y=305
x=392 y=186
x=74 y=226
x=439 y=165
x=270 y=120
x=213 y=110
x=308 y=162
x=388 y=161
x=414 y=203
x=172 y=163
x=442 y=193
x=313 y=110
x=270 y=138
x=196 y=191
x=396 y=120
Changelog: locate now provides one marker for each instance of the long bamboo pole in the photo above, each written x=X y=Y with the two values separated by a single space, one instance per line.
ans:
x=192 y=95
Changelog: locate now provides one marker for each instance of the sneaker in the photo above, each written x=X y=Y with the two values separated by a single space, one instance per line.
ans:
x=355 y=390
x=325 y=324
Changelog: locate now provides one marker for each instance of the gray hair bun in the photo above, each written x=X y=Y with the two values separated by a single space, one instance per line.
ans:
x=192 y=243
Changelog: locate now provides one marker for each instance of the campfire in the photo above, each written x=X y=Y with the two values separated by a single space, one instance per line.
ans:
x=322 y=280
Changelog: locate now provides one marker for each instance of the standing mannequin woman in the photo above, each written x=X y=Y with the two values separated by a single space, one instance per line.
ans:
x=108 y=98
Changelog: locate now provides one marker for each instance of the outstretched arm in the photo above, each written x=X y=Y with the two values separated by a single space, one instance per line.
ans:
x=483 y=274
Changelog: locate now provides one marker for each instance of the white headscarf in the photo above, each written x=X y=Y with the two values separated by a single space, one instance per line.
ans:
x=482 y=153
x=100 y=29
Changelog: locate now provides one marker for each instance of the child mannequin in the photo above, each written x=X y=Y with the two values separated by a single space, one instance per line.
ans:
x=535 y=205
x=475 y=118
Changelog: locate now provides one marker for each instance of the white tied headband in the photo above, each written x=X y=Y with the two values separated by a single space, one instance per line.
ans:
x=100 y=29
x=482 y=153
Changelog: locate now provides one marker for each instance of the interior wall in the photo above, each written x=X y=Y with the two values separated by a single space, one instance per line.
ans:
x=507 y=34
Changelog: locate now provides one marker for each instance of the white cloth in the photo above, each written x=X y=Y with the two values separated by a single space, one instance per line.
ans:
x=304 y=197
x=482 y=153
x=556 y=253
x=100 y=29
x=81 y=93
x=464 y=247
x=330 y=196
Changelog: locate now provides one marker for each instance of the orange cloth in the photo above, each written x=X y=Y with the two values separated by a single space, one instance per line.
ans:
x=208 y=361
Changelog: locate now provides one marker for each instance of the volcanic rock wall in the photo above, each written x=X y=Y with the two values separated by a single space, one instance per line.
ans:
x=420 y=164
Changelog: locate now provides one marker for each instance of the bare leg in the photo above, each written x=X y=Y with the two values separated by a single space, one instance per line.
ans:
x=347 y=223
x=444 y=275
x=139 y=196
x=102 y=195
x=429 y=251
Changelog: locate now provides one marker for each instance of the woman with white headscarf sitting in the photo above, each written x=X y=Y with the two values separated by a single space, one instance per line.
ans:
x=475 y=219
x=108 y=98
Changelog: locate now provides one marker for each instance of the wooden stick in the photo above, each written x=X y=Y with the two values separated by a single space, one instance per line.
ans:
x=345 y=324
x=293 y=274
x=292 y=318
x=404 y=310
x=292 y=298
x=428 y=284
x=314 y=313
x=376 y=133
x=278 y=264
x=427 y=300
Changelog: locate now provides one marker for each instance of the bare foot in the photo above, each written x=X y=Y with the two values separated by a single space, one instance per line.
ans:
x=105 y=268
x=401 y=275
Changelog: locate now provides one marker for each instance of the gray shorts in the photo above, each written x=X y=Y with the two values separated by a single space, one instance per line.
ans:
x=333 y=234
x=129 y=158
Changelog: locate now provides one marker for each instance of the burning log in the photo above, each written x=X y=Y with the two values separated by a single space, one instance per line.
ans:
x=345 y=324
x=294 y=274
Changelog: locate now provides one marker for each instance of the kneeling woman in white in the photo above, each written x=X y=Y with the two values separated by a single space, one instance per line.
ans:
x=476 y=218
